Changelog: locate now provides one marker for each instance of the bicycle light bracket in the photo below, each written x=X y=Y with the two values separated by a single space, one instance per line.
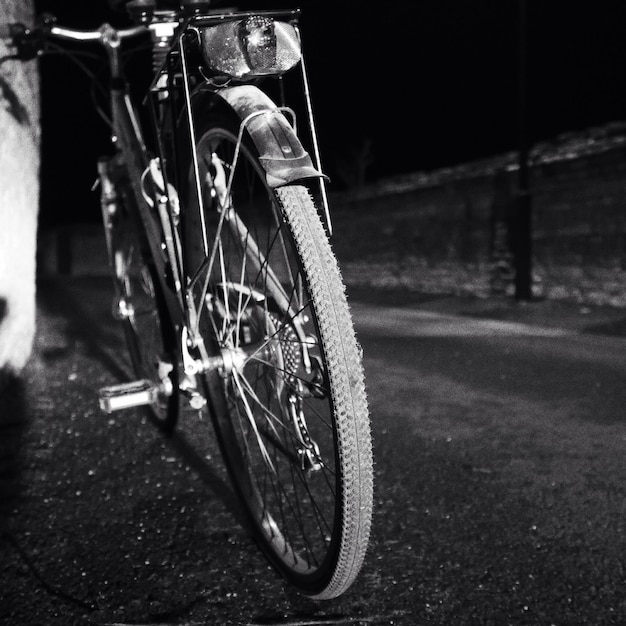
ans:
x=283 y=157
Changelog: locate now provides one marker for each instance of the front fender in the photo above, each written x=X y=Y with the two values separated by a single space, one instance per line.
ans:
x=281 y=154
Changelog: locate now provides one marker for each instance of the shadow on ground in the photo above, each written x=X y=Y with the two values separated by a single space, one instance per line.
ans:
x=13 y=426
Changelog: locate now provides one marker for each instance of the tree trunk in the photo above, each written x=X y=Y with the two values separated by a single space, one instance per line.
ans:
x=19 y=195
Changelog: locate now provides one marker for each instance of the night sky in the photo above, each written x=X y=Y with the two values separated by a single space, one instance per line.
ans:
x=429 y=83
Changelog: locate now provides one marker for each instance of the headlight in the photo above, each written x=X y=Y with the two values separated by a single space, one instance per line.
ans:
x=254 y=46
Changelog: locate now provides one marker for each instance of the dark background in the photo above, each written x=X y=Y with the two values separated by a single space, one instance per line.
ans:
x=428 y=84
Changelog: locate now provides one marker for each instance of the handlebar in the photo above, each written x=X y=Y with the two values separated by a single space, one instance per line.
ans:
x=29 y=43
x=73 y=34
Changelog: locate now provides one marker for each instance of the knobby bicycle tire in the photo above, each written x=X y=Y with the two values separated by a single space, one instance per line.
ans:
x=292 y=417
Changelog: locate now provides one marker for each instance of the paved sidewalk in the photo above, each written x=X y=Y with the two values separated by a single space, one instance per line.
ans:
x=601 y=320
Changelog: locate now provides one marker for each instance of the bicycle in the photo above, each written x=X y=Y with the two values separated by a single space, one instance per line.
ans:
x=216 y=223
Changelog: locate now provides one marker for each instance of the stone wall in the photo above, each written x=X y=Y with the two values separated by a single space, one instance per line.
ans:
x=452 y=230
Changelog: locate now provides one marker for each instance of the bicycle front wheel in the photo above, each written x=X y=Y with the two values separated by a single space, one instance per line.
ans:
x=292 y=417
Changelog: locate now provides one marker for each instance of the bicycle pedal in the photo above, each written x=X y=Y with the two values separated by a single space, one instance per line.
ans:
x=127 y=395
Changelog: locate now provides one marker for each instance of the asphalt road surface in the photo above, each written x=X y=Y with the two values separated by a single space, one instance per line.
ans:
x=500 y=481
